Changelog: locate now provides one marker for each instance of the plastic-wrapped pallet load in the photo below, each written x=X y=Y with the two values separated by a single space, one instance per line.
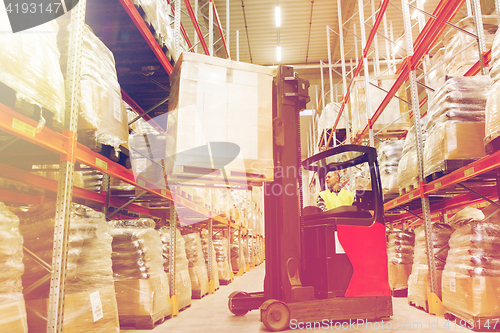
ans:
x=408 y=166
x=237 y=263
x=400 y=255
x=197 y=268
x=221 y=256
x=462 y=49
x=102 y=115
x=29 y=64
x=226 y=104
x=12 y=307
x=418 y=282
x=456 y=122
x=390 y=120
x=90 y=303
x=495 y=59
x=389 y=154
x=142 y=287
x=215 y=272
x=471 y=277
x=182 y=279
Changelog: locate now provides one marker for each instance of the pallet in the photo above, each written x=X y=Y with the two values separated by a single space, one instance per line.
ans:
x=122 y=157
x=224 y=282
x=417 y=306
x=184 y=308
x=492 y=146
x=476 y=324
x=8 y=98
x=408 y=189
x=399 y=293
x=141 y=322
x=196 y=295
x=449 y=166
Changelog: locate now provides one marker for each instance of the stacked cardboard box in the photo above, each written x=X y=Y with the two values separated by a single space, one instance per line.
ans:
x=418 y=283
x=224 y=104
x=182 y=279
x=142 y=287
x=400 y=255
x=12 y=307
x=197 y=268
x=90 y=303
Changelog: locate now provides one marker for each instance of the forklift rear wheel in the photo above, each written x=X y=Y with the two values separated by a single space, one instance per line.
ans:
x=236 y=312
x=276 y=317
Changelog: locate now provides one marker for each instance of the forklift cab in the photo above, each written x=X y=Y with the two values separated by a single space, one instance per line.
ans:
x=345 y=245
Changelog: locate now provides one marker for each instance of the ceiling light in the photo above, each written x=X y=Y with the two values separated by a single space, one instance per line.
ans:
x=278 y=17
x=278 y=53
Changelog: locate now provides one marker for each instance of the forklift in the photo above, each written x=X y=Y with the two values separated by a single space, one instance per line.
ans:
x=321 y=267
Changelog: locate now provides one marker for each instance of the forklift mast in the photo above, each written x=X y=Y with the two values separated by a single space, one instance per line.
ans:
x=283 y=196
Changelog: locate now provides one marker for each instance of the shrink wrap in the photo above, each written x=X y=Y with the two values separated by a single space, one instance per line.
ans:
x=215 y=271
x=197 y=268
x=29 y=64
x=221 y=255
x=400 y=255
x=389 y=153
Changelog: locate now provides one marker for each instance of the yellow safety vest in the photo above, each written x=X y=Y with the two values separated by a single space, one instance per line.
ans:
x=334 y=200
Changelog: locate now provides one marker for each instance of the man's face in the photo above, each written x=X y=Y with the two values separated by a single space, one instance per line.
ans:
x=332 y=178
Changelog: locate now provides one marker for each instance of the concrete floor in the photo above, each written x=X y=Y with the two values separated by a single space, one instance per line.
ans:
x=211 y=314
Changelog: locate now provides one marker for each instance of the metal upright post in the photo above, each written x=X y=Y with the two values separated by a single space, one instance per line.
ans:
x=211 y=27
x=229 y=247
x=421 y=24
x=228 y=37
x=240 y=251
x=387 y=48
x=331 y=80
x=344 y=77
x=173 y=240
x=376 y=66
x=237 y=45
x=55 y=311
x=497 y=10
x=366 y=70
x=210 y=254
x=478 y=22
x=418 y=132
x=177 y=26
x=195 y=33
x=105 y=188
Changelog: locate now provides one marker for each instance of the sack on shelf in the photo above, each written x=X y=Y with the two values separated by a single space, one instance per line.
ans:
x=221 y=256
x=102 y=117
x=456 y=122
x=182 y=279
x=89 y=274
x=29 y=64
x=224 y=104
x=142 y=287
x=197 y=269
x=12 y=306
x=215 y=272
x=466 y=216
x=492 y=113
x=389 y=154
x=400 y=255
x=471 y=277
x=418 y=282
x=238 y=263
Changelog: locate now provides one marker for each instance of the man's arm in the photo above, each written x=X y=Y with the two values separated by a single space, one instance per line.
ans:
x=321 y=203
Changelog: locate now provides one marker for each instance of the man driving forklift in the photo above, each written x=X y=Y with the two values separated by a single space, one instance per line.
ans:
x=334 y=195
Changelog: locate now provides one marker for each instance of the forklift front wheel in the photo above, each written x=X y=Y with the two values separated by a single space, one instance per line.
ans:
x=236 y=312
x=275 y=315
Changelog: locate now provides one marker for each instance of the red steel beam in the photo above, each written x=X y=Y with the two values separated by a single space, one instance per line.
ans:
x=219 y=25
x=18 y=197
x=196 y=26
x=144 y=30
x=477 y=66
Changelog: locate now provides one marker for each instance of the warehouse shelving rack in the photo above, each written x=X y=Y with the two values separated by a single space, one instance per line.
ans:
x=473 y=184
x=63 y=147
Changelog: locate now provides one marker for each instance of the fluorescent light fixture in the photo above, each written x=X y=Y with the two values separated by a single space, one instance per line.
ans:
x=278 y=53
x=278 y=17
